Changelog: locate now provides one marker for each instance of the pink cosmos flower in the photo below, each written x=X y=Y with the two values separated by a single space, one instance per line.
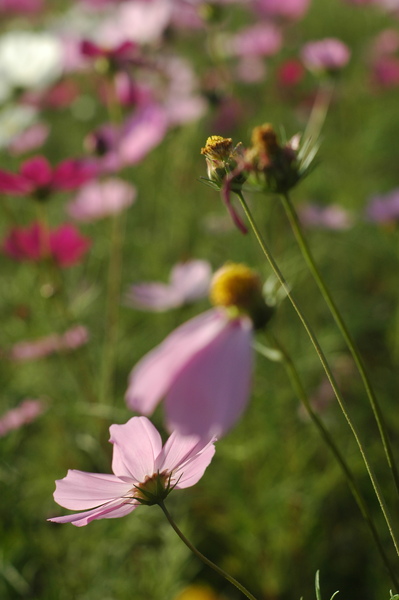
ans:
x=30 y=350
x=327 y=217
x=120 y=56
x=329 y=54
x=288 y=9
x=189 y=281
x=24 y=413
x=384 y=208
x=99 y=199
x=64 y=245
x=30 y=139
x=263 y=39
x=144 y=473
x=38 y=178
x=203 y=369
x=21 y=6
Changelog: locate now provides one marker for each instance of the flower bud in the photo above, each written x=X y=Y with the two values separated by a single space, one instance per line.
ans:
x=236 y=286
x=221 y=159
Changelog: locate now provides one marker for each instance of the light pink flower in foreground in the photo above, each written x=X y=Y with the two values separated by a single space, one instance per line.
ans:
x=203 y=369
x=329 y=54
x=189 y=281
x=65 y=245
x=30 y=350
x=24 y=413
x=99 y=199
x=145 y=472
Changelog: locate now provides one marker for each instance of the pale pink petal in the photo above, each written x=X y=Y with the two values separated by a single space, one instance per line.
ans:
x=80 y=490
x=97 y=200
x=109 y=511
x=153 y=296
x=30 y=139
x=136 y=446
x=186 y=457
x=155 y=373
x=191 y=279
x=143 y=132
x=212 y=390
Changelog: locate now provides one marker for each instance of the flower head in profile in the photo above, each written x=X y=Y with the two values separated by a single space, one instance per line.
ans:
x=145 y=472
x=189 y=281
x=65 y=245
x=203 y=369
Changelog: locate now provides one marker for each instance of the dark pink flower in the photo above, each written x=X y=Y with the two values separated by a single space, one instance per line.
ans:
x=21 y=6
x=189 y=281
x=24 y=413
x=65 y=245
x=145 y=472
x=329 y=54
x=202 y=369
x=119 y=56
x=37 y=177
x=33 y=349
x=290 y=73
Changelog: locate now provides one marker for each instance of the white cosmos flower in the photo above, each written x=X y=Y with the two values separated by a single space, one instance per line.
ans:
x=30 y=60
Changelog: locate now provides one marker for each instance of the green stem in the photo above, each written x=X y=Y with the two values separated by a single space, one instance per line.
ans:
x=114 y=273
x=325 y=365
x=328 y=438
x=306 y=252
x=203 y=558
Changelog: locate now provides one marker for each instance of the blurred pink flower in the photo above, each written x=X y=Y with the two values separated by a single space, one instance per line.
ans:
x=99 y=199
x=121 y=55
x=65 y=245
x=189 y=281
x=32 y=138
x=290 y=73
x=327 y=217
x=31 y=350
x=24 y=413
x=384 y=208
x=38 y=178
x=263 y=39
x=145 y=472
x=203 y=369
x=288 y=9
x=385 y=59
x=21 y=6
x=329 y=54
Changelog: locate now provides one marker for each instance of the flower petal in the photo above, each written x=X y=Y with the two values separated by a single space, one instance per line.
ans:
x=112 y=510
x=136 y=447
x=153 y=296
x=80 y=490
x=191 y=279
x=186 y=457
x=212 y=390
x=155 y=373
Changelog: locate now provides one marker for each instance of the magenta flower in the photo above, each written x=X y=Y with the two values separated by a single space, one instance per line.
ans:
x=119 y=57
x=144 y=473
x=203 y=369
x=65 y=245
x=24 y=413
x=39 y=179
x=32 y=349
x=329 y=54
x=99 y=199
x=189 y=281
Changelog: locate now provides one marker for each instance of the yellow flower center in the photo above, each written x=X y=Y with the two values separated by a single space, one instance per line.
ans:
x=235 y=285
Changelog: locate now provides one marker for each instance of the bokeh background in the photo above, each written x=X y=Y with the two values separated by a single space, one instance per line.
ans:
x=273 y=507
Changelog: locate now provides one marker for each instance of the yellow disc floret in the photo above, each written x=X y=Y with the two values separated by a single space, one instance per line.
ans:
x=218 y=148
x=235 y=285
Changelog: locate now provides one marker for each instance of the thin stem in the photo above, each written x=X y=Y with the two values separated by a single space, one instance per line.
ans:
x=306 y=252
x=114 y=273
x=328 y=438
x=203 y=558
x=325 y=365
